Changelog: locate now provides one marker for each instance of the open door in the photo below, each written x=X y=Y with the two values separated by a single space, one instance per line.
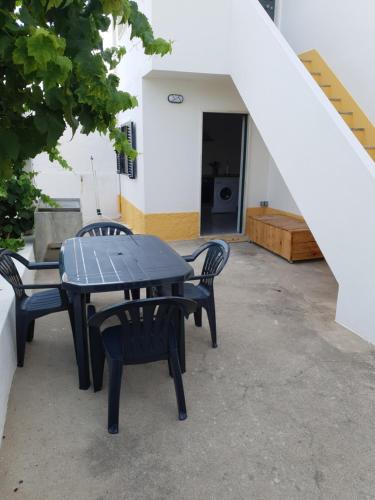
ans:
x=223 y=160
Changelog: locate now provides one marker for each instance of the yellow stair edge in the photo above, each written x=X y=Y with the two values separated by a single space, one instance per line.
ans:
x=341 y=99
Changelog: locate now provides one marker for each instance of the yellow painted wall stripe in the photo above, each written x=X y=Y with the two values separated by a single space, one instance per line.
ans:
x=168 y=226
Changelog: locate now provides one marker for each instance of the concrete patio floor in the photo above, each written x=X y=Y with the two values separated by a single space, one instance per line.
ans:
x=283 y=409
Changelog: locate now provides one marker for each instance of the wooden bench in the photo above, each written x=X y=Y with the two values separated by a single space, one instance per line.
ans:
x=284 y=235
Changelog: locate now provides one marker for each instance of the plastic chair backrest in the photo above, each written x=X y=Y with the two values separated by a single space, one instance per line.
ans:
x=148 y=325
x=217 y=256
x=104 y=229
x=9 y=272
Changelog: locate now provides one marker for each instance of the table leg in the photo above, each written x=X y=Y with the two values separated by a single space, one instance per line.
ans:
x=79 y=306
x=178 y=291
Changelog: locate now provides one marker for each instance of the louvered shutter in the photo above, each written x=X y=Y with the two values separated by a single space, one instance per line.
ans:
x=124 y=164
x=130 y=165
x=120 y=159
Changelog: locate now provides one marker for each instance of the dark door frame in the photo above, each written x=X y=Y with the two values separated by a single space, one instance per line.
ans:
x=241 y=190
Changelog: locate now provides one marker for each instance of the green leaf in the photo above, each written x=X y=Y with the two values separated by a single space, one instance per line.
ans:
x=158 y=46
x=9 y=144
x=54 y=4
x=22 y=58
x=26 y=17
x=114 y=7
x=5 y=168
x=120 y=101
x=55 y=72
x=5 y=46
x=13 y=244
x=51 y=124
x=141 y=28
x=44 y=46
x=31 y=139
x=49 y=201
x=54 y=155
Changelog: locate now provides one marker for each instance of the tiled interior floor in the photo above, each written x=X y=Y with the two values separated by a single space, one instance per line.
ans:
x=215 y=223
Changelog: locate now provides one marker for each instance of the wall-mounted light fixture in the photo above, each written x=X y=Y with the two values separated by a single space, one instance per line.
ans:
x=175 y=98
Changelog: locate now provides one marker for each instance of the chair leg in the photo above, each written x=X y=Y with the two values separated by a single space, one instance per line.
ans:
x=97 y=358
x=97 y=354
x=170 y=368
x=136 y=294
x=178 y=385
x=126 y=294
x=115 y=375
x=30 y=331
x=22 y=329
x=198 y=317
x=211 y=314
x=71 y=319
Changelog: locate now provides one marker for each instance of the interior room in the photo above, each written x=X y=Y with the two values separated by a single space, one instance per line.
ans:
x=221 y=172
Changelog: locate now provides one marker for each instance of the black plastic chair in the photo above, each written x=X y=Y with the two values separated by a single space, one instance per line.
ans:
x=217 y=256
x=104 y=228
x=148 y=331
x=29 y=308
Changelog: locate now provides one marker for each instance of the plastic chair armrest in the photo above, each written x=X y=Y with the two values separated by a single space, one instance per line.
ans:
x=202 y=276
x=43 y=265
x=39 y=286
x=188 y=258
x=34 y=265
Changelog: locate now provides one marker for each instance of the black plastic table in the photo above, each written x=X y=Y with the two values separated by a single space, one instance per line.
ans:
x=109 y=263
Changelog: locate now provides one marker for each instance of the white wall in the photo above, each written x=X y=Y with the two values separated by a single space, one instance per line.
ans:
x=259 y=160
x=173 y=138
x=80 y=182
x=8 y=356
x=181 y=162
x=279 y=195
x=170 y=145
x=131 y=71
x=343 y=32
x=214 y=37
x=265 y=182
x=199 y=32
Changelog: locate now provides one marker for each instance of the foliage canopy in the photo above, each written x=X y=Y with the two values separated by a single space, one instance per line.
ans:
x=54 y=73
x=18 y=196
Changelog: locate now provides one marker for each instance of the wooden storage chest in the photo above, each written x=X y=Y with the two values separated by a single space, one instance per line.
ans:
x=284 y=235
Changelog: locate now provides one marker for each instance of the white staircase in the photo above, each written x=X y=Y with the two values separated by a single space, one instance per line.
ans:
x=328 y=172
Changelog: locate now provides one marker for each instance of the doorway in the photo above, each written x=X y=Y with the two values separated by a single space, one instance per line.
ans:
x=223 y=160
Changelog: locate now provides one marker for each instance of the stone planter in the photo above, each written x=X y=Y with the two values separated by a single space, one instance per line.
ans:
x=54 y=225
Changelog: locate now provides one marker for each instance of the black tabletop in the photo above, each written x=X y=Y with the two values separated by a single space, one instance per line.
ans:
x=105 y=263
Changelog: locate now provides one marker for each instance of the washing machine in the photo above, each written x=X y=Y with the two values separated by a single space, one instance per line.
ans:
x=225 y=195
